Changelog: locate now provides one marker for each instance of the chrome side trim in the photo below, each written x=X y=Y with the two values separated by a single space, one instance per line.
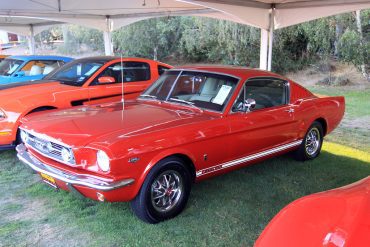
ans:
x=72 y=179
x=247 y=158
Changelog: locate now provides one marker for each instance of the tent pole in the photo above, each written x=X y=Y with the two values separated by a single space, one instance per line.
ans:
x=108 y=43
x=271 y=38
x=31 y=41
x=264 y=49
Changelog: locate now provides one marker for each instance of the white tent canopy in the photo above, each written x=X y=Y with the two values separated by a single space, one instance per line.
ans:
x=31 y=16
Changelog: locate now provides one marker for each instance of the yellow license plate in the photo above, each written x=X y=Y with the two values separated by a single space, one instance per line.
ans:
x=48 y=179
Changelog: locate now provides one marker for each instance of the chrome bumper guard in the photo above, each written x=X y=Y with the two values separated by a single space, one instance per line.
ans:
x=79 y=179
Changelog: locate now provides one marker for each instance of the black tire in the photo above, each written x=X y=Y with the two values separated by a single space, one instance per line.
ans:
x=144 y=205
x=304 y=153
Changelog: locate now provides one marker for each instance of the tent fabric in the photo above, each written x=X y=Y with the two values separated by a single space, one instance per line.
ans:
x=287 y=12
x=94 y=13
x=22 y=25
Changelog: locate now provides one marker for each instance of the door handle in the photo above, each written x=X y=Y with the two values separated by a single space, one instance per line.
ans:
x=290 y=110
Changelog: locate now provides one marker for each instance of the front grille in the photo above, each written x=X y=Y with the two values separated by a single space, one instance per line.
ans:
x=48 y=148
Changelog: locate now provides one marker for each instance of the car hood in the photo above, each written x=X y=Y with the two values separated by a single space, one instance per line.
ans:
x=29 y=88
x=80 y=126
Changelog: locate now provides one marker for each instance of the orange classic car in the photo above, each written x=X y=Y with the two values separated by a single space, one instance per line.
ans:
x=191 y=124
x=83 y=81
x=334 y=218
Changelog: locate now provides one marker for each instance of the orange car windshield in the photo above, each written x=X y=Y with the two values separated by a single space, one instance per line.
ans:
x=75 y=73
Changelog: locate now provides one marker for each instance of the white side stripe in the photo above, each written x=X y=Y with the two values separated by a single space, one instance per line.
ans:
x=247 y=158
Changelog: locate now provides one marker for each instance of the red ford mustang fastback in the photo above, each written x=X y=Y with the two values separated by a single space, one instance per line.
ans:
x=191 y=124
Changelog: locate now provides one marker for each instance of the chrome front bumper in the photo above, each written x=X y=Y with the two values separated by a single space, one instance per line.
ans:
x=72 y=179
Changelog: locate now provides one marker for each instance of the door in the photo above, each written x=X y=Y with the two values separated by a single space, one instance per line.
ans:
x=269 y=126
x=107 y=86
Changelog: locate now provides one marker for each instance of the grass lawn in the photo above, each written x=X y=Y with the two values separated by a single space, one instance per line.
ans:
x=225 y=211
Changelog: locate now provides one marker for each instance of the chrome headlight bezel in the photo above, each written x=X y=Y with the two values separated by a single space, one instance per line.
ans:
x=67 y=155
x=24 y=136
x=103 y=161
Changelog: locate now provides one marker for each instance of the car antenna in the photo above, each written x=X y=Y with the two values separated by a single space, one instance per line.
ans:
x=123 y=93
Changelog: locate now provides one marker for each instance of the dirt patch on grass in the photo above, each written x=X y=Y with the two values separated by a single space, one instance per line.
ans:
x=314 y=74
x=357 y=123
x=33 y=226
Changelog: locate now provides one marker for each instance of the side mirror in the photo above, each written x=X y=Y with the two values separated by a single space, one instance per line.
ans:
x=19 y=74
x=249 y=104
x=106 y=80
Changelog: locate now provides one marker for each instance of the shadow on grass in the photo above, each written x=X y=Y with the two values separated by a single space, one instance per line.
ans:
x=231 y=209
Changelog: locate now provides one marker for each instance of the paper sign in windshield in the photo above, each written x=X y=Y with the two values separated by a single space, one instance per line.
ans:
x=222 y=95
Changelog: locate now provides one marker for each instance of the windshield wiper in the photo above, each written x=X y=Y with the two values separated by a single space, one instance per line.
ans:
x=186 y=102
x=148 y=96
x=152 y=97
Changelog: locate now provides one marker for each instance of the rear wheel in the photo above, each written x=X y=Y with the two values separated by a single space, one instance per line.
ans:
x=311 y=145
x=165 y=191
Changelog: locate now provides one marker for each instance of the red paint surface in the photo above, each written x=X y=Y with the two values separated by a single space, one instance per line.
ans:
x=335 y=218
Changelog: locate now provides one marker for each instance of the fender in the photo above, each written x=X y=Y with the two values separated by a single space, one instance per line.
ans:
x=160 y=156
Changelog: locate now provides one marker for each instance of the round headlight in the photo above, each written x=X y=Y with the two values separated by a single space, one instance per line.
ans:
x=24 y=136
x=66 y=155
x=103 y=161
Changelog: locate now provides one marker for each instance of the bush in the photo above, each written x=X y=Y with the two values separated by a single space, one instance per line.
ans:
x=335 y=81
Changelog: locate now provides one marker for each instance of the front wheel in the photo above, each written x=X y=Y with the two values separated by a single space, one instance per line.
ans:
x=311 y=145
x=165 y=191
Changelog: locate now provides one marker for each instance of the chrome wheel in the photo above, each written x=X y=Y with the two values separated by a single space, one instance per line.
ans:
x=312 y=143
x=166 y=190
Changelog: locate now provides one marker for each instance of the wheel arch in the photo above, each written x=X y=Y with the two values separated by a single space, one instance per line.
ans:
x=323 y=123
x=41 y=108
x=186 y=156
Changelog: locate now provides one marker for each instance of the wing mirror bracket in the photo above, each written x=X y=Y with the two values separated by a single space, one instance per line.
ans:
x=249 y=104
x=20 y=74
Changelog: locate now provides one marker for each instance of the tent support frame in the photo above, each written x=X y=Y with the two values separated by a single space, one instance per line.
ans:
x=108 y=42
x=31 y=41
x=267 y=38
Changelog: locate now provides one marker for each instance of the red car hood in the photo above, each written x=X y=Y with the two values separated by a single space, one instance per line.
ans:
x=335 y=218
x=81 y=125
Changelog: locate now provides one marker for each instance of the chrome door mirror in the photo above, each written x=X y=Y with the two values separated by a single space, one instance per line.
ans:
x=249 y=104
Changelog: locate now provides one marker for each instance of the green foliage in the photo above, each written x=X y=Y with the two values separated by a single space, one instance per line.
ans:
x=220 y=41
x=153 y=38
x=355 y=48
x=183 y=39
x=87 y=36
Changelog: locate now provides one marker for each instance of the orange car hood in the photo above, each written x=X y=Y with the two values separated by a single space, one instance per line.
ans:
x=105 y=123
x=30 y=89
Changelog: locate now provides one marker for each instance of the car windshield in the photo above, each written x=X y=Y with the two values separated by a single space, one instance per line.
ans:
x=75 y=73
x=9 y=66
x=203 y=90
